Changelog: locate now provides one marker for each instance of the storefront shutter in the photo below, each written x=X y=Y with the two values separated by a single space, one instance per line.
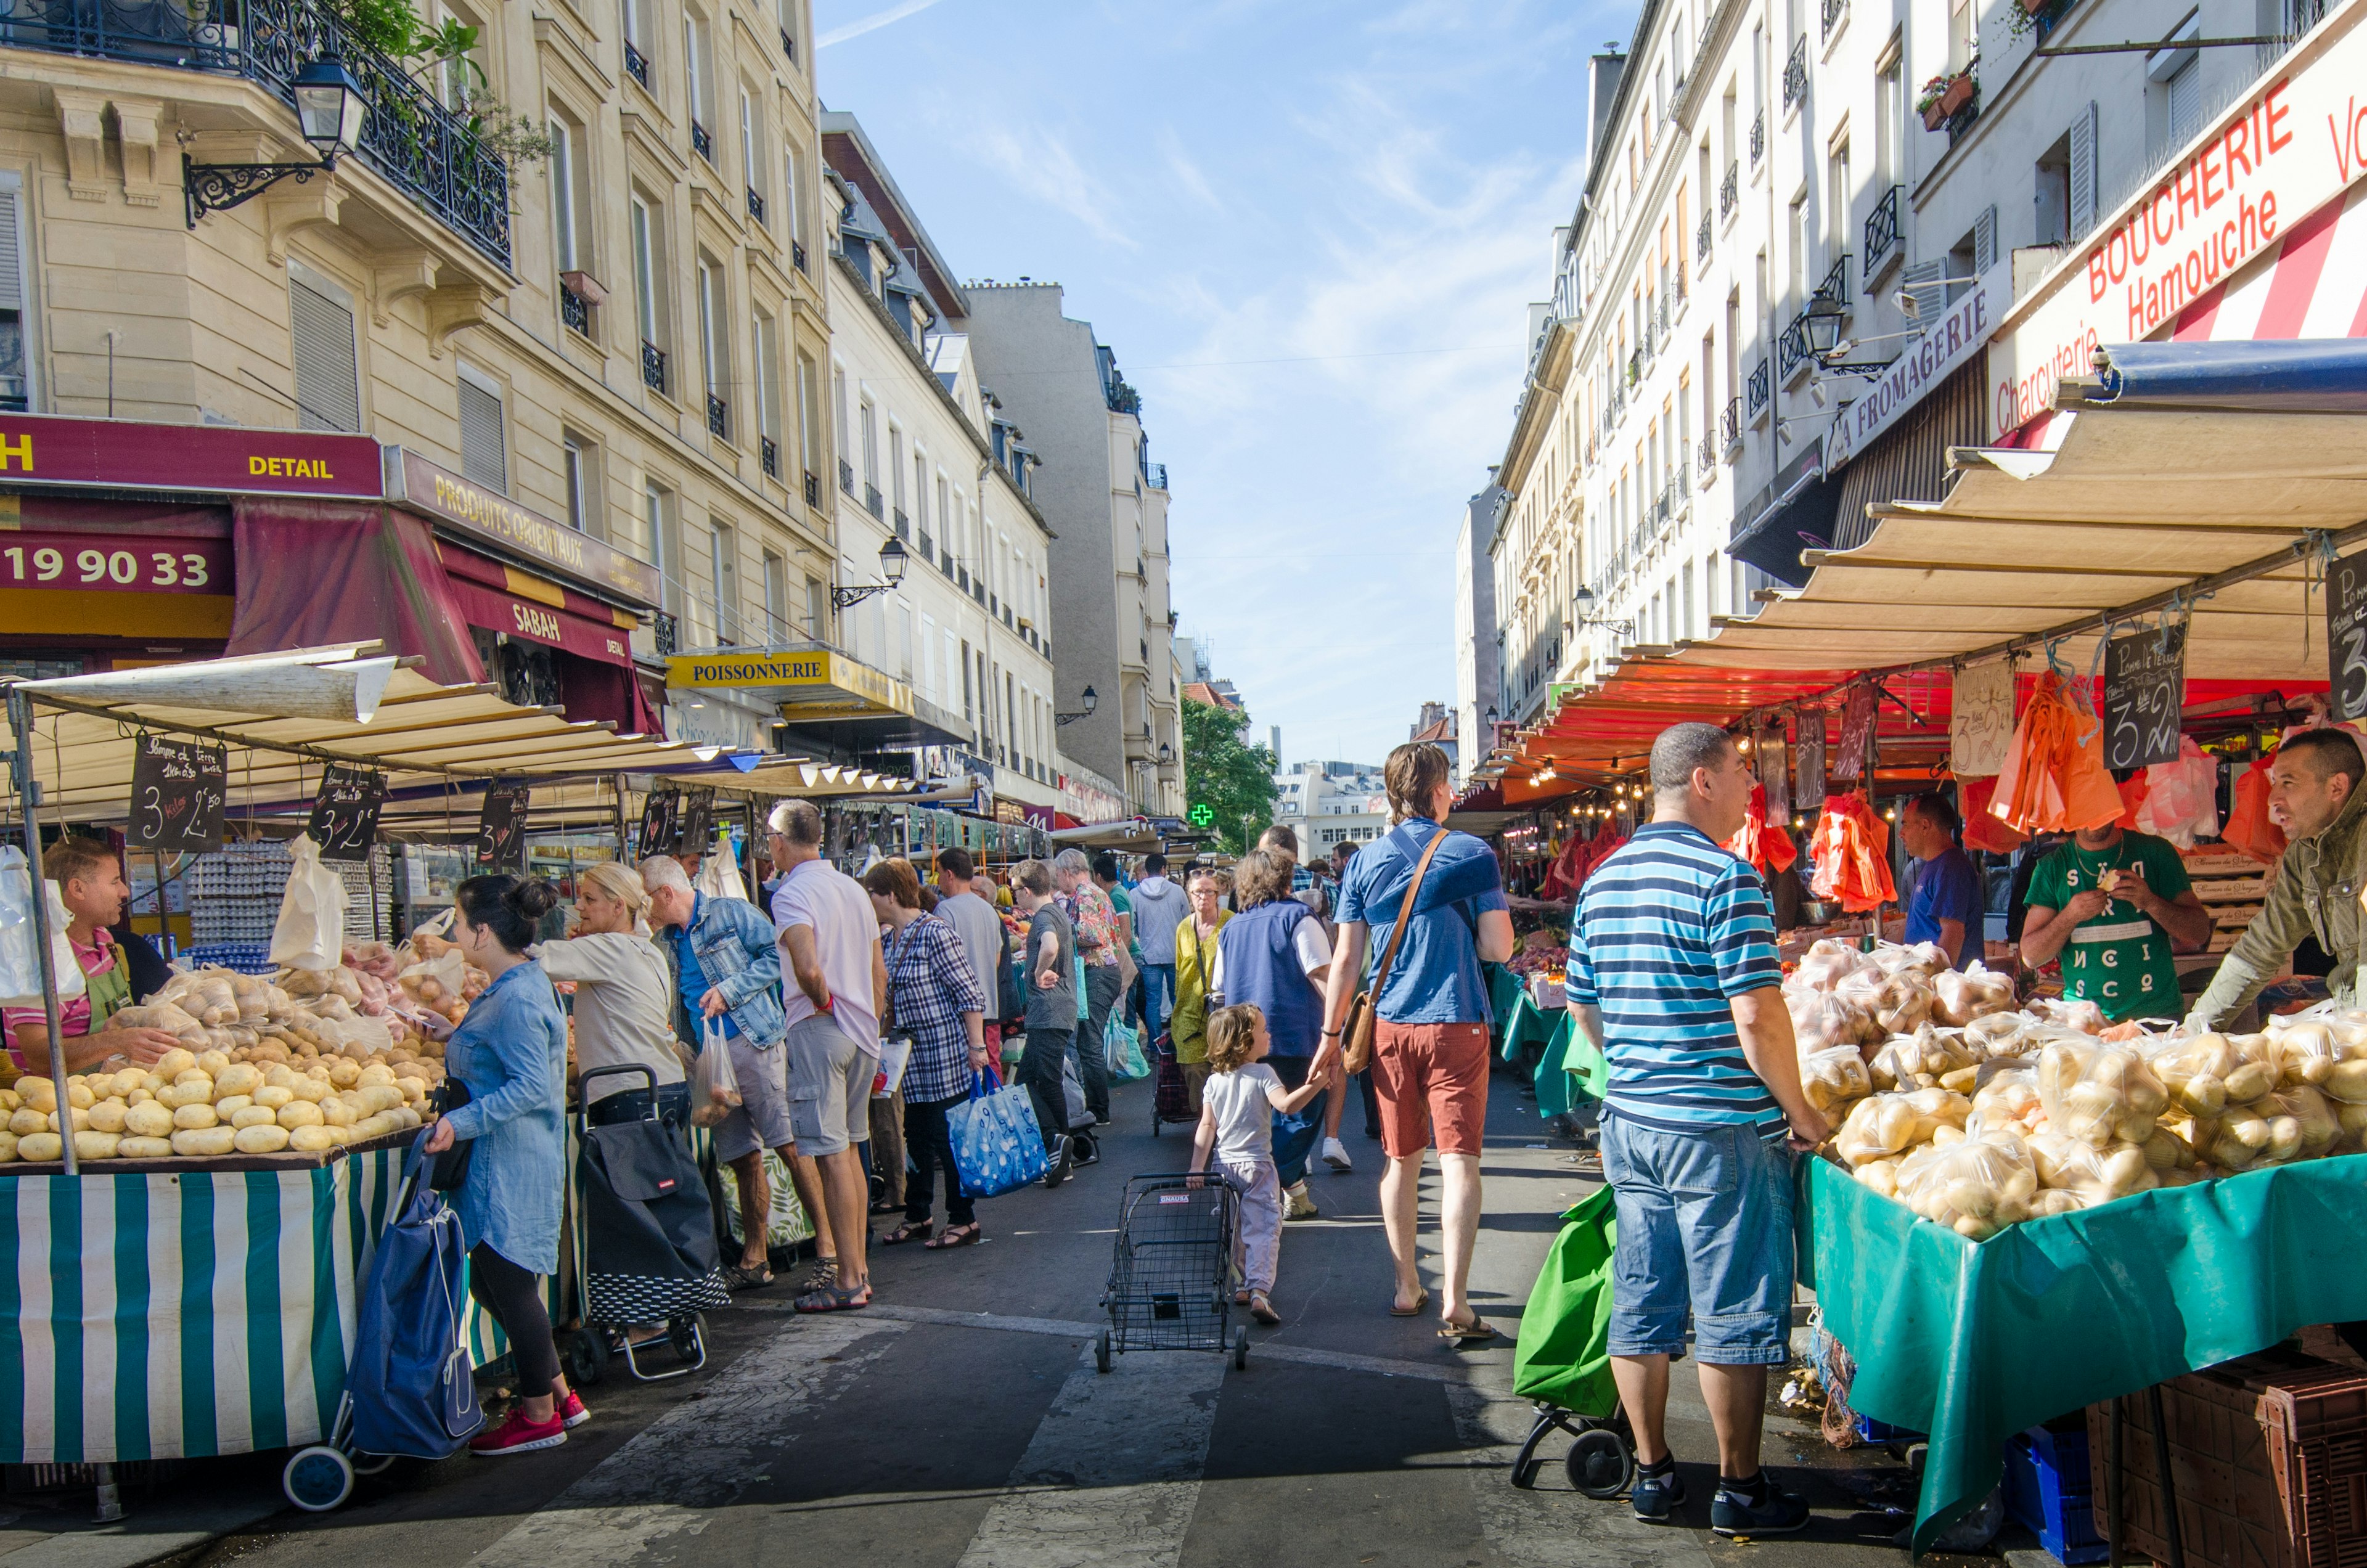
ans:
x=328 y=375
x=484 y=457
x=2083 y=172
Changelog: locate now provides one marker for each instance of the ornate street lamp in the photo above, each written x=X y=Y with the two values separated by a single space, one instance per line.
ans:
x=331 y=105
x=1092 y=700
x=893 y=558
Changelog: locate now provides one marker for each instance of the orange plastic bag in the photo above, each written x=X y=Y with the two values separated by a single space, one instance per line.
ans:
x=2055 y=779
x=1769 y=849
x=1983 y=830
x=2249 y=828
x=1851 y=851
x=2133 y=794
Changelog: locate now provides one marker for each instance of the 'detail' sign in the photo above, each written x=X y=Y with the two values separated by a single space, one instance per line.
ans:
x=179 y=788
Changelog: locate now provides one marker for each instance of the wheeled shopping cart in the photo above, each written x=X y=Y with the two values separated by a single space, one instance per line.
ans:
x=1563 y=1359
x=1170 y=1285
x=1170 y=1101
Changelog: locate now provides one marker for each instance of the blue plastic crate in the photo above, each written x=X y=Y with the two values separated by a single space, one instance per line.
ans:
x=1870 y=1430
x=247 y=958
x=2048 y=1487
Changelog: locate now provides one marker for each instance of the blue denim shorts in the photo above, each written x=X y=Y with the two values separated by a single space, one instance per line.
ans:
x=1705 y=1228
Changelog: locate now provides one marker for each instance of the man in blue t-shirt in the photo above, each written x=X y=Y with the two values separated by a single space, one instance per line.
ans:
x=1672 y=972
x=1946 y=906
x=1430 y=1046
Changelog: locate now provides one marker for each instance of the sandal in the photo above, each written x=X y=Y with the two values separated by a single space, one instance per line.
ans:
x=956 y=1235
x=741 y=1277
x=1478 y=1331
x=830 y=1298
x=911 y=1230
x=1421 y=1300
x=821 y=1277
x=1263 y=1309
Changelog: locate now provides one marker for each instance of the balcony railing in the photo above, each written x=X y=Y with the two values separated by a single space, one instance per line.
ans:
x=653 y=365
x=574 y=309
x=1729 y=423
x=846 y=476
x=1758 y=136
x=1706 y=454
x=1729 y=190
x=1836 y=286
x=1796 y=73
x=928 y=546
x=1757 y=387
x=1701 y=240
x=755 y=205
x=1834 y=11
x=701 y=143
x=1635 y=367
x=798 y=256
x=637 y=64
x=1792 y=348
x=873 y=502
x=1881 y=233
x=719 y=416
x=768 y=452
x=663 y=632
x=903 y=524
x=813 y=487
x=788 y=45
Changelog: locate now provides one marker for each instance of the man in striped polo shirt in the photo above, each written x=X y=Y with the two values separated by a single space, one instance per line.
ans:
x=1672 y=971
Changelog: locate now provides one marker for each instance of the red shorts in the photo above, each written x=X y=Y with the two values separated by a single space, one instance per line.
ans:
x=1430 y=1078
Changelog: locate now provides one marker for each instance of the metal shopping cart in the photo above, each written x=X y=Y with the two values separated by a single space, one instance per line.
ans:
x=1170 y=1285
x=1171 y=1101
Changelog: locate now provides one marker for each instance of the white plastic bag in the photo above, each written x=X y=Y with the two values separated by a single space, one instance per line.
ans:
x=20 y=961
x=311 y=932
x=718 y=871
x=2181 y=801
x=714 y=1083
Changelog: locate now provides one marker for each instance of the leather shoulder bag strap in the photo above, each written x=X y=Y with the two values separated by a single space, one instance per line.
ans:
x=1405 y=914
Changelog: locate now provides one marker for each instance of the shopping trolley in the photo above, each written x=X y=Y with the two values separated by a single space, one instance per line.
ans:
x=1170 y=1285
x=1171 y=1101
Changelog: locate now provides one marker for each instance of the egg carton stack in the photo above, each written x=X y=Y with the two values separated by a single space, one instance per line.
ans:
x=234 y=893
x=370 y=895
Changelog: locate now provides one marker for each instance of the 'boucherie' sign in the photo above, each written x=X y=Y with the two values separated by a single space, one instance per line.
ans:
x=2274 y=158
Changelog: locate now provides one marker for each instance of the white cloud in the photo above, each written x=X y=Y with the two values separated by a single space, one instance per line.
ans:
x=1040 y=164
x=873 y=22
x=1186 y=173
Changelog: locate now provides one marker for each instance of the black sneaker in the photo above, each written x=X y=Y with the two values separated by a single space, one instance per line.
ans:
x=1782 y=1513
x=1058 y=1170
x=1657 y=1498
x=1083 y=1151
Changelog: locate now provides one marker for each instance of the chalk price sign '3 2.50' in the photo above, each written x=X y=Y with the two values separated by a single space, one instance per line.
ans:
x=2345 y=634
x=2144 y=684
x=179 y=788
x=344 y=813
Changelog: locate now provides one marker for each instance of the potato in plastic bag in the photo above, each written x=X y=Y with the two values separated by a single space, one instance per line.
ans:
x=2084 y=1018
x=1879 y=1125
x=2099 y=1093
x=1827 y=963
x=1882 y=1174
x=1902 y=1002
x=1960 y=997
x=1973 y=1186
x=1936 y=1108
x=1820 y=1020
x=1834 y=1076
x=2115 y=1171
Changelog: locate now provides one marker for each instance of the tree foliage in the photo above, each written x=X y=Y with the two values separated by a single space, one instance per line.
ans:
x=1228 y=775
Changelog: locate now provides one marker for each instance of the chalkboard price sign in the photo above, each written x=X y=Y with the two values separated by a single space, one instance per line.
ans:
x=179 y=788
x=344 y=813
x=501 y=830
x=661 y=821
x=2345 y=634
x=2145 y=684
x=697 y=832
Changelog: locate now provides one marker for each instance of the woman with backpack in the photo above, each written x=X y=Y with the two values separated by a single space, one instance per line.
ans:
x=1274 y=955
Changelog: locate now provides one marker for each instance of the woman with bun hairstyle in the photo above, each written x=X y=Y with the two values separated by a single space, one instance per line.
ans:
x=510 y=1053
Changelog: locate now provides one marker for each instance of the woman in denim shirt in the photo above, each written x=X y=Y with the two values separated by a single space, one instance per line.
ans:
x=510 y=1053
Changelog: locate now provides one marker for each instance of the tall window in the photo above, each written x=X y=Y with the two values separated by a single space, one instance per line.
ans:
x=562 y=194
x=576 y=475
x=723 y=565
x=652 y=543
x=647 y=270
x=1889 y=123
x=809 y=414
x=1837 y=201
x=15 y=394
x=484 y=451
x=870 y=444
x=328 y=367
x=751 y=160
x=776 y=598
x=711 y=342
x=694 y=65
x=896 y=465
x=789 y=197
x=768 y=381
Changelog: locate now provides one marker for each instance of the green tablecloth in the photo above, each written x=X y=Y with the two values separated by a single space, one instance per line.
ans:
x=1566 y=1056
x=1973 y=1343
x=1504 y=992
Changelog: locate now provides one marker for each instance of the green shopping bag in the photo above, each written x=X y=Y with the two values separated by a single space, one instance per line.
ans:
x=1122 y=1050
x=1563 y=1356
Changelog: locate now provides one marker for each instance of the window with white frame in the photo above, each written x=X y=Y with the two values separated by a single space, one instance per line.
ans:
x=16 y=381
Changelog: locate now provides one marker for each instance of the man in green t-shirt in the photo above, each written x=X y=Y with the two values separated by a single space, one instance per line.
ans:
x=2111 y=902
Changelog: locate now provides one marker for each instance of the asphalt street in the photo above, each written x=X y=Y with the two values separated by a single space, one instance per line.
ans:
x=960 y=1422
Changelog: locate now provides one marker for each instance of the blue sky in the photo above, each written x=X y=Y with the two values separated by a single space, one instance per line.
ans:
x=1310 y=231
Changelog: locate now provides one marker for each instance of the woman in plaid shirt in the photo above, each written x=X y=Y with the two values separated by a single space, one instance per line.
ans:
x=936 y=998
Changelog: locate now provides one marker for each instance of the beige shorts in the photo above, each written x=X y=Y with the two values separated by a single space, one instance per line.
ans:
x=830 y=1086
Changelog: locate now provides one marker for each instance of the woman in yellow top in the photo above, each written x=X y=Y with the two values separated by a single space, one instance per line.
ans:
x=1196 y=960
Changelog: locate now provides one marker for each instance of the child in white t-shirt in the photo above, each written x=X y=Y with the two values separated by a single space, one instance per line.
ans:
x=1237 y=1110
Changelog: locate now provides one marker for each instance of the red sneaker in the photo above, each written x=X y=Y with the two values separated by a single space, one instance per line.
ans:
x=517 y=1435
x=571 y=1413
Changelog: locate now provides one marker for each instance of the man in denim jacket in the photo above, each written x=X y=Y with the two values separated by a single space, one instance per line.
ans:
x=727 y=975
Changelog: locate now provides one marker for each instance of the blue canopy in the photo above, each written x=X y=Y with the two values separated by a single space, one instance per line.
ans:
x=2308 y=375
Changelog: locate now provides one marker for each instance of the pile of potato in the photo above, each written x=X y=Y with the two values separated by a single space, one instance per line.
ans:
x=204 y=1104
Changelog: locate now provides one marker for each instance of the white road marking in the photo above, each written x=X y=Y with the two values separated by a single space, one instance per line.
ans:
x=701 y=1454
x=1113 y=1473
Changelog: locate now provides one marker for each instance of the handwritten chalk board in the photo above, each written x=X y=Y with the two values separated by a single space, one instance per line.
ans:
x=2345 y=634
x=345 y=812
x=660 y=822
x=697 y=835
x=501 y=829
x=2144 y=684
x=179 y=788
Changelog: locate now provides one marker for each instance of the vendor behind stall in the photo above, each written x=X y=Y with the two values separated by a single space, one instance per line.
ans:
x=90 y=879
x=2111 y=902
x=1947 y=903
x=2313 y=795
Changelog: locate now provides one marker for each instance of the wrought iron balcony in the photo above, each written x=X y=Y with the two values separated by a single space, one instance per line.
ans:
x=873 y=502
x=1834 y=11
x=1796 y=73
x=1882 y=233
x=663 y=632
x=768 y=452
x=1758 y=387
x=788 y=46
x=1729 y=190
x=719 y=416
x=798 y=256
x=575 y=309
x=1758 y=136
x=1836 y=286
x=1660 y=325
x=653 y=365
x=928 y=546
x=846 y=476
x=1635 y=367
x=1792 y=349
x=1729 y=423
x=1706 y=454
x=813 y=487
x=755 y=205
x=637 y=64
x=903 y=524
x=701 y=143
x=1701 y=239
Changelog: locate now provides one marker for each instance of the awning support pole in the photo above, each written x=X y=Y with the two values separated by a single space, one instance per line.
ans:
x=29 y=796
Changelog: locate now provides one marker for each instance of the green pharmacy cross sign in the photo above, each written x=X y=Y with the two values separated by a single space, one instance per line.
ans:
x=1202 y=815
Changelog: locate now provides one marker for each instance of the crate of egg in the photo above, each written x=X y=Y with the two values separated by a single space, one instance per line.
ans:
x=370 y=895
x=234 y=893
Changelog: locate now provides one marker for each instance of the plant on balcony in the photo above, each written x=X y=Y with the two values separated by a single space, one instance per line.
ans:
x=1943 y=96
x=2033 y=16
x=394 y=29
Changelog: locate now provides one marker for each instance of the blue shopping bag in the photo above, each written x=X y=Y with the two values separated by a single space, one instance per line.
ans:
x=1122 y=1049
x=998 y=1147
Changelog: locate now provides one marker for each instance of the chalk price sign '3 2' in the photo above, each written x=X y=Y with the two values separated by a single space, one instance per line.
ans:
x=345 y=812
x=2145 y=686
x=179 y=788
x=2345 y=634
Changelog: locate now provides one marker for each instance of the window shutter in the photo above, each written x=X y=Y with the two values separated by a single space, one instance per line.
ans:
x=2185 y=104
x=2083 y=171
x=328 y=372
x=484 y=458
x=1985 y=239
x=12 y=274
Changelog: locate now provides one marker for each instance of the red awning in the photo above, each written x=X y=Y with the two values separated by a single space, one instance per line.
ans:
x=502 y=599
x=316 y=572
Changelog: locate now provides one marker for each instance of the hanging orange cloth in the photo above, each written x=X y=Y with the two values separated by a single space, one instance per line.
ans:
x=2249 y=828
x=2055 y=779
x=1851 y=851
x=1982 y=828
x=1769 y=849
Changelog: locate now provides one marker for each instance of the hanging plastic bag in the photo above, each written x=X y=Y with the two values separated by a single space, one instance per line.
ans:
x=311 y=932
x=997 y=1145
x=2249 y=828
x=2055 y=779
x=20 y=961
x=2134 y=791
x=714 y=1084
x=1983 y=829
x=1760 y=843
x=437 y=984
x=2181 y=801
x=1851 y=851
x=1123 y=1050
x=1073 y=1094
x=1076 y=974
x=719 y=871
